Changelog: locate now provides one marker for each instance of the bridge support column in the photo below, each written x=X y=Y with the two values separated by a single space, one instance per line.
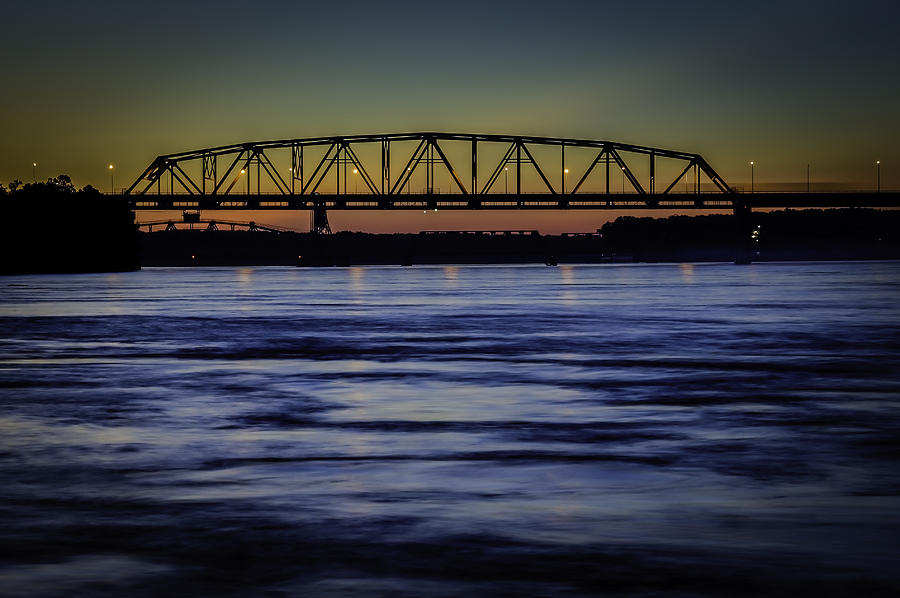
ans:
x=320 y=220
x=744 y=231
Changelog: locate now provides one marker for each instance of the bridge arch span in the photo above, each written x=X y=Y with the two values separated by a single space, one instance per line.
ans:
x=385 y=165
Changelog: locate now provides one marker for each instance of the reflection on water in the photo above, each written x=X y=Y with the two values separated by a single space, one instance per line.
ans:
x=567 y=273
x=687 y=273
x=451 y=276
x=698 y=430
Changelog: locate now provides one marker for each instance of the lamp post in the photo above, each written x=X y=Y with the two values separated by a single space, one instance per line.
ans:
x=623 y=180
x=355 y=172
x=243 y=172
x=408 y=180
x=878 y=176
x=752 y=164
x=565 y=176
x=34 y=172
x=112 y=187
x=506 y=180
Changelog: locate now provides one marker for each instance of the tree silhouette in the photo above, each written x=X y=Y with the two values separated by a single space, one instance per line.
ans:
x=56 y=186
x=61 y=184
x=80 y=231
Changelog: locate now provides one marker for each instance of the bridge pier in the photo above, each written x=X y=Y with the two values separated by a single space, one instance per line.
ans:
x=320 y=224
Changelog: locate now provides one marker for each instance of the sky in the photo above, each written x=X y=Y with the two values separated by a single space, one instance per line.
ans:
x=91 y=83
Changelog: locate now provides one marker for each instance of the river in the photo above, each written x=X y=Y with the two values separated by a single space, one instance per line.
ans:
x=583 y=430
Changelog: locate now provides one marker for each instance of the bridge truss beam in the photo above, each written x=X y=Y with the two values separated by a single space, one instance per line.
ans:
x=343 y=152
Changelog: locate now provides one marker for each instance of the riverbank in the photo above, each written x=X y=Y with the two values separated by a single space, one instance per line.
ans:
x=851 y=234
x=84 y=231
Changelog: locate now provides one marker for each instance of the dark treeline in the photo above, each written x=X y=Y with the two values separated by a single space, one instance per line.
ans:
x=852 y=233
x=54 y=227
x=784 y=235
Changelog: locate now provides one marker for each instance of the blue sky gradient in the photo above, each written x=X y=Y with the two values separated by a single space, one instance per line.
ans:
x=785 y=85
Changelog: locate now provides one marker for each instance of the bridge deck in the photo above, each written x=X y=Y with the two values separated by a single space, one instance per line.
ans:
x=580 y=201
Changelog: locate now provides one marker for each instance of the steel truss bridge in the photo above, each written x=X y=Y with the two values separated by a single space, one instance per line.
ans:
x=408 y=170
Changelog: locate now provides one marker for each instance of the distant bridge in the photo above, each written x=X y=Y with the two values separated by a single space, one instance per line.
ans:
x=407 y=171
x=188 y=222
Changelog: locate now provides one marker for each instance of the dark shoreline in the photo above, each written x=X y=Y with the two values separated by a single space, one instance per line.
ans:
x=92 y=233
x=851 y=234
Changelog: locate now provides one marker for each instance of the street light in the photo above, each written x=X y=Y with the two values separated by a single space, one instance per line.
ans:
x=751 y=176
x=112 y=187
x=243 y=172
x=506 y=179
x=878 y=176
x=34 y=171
x=623 y=180
x=355 y=172
x=408 y=180
x=565 y=174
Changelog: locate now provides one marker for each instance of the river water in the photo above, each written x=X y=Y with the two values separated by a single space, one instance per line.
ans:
x=635 y=430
